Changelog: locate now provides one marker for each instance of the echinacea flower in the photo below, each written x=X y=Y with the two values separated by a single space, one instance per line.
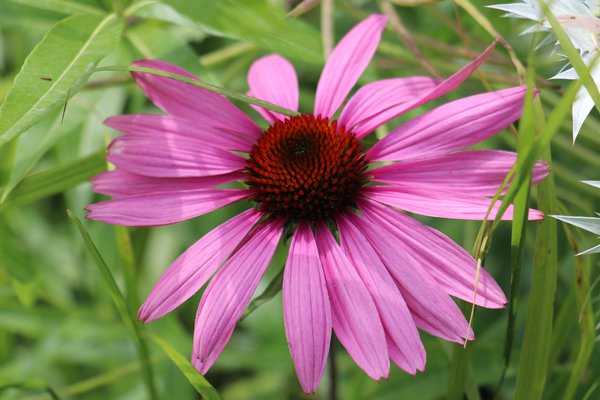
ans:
x=589 y=224
x=578 y=18
x=308 y=174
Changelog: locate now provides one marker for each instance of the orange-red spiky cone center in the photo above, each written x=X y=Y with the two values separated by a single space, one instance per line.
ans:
x=306 y=168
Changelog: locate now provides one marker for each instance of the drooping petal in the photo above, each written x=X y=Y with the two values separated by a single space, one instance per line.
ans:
x=393 y=106
x=200 y=105
x=473 y=172
x=441 y=204
x=347 y=63
x=192 y=269
x=119 y=183
x=171 y=156
x=163 y=208
x=589 y=224
x=272 y=78
x=355 y=318
x=372 y=98
x=229 y=293
x=431 y=308
x=159 y=125
x=399 y=326
x=593 y=250
x=452 y=126
x=450 y=265
x=306 y=309
x=582 y=106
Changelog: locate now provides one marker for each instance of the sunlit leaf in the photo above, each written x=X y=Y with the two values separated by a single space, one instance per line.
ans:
x=52 y=70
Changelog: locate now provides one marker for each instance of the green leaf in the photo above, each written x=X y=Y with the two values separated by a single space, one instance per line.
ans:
x=119 y=300
x=257 y=21
x=528 y=131
x=54 y=68
x=55 y=180
x=535 y=353
x=198 y=381
x=32 y=146
x=63 y=6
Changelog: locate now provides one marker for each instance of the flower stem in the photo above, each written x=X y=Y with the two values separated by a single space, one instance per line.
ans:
x=333 y=392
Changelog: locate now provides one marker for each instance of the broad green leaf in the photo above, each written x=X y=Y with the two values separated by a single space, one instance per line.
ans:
x=119 y=300
x=63 y=6
x=198 y=381
x=14 y=256
x=55 y=180
x=32 y=145
x=54 y=68
x=151 y=9
x=257 y=21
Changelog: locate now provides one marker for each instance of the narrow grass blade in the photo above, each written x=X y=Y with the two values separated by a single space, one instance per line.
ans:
x=533 y=364
x=73 y=45
x=119 y=301
x=129 y=267
x=527 y=134
x=198 y=381
x=585 y=316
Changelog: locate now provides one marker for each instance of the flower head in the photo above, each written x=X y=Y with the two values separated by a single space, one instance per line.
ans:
x=578 y=18
x=590 y=224
x=388 y=275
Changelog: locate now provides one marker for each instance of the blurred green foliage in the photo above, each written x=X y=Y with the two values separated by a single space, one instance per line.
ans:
x=61 y=335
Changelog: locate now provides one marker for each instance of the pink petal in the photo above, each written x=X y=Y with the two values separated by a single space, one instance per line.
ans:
x=229 y=293
x=355 y=318
x=450 y=265
x=163 y=208
x=397 y=321
x=119 y=183
x=347 y=63
x=378 y=96
x=171 y=156
x=452 y=126
x=306 y=309
x=372 y=118
x=441 y=204
x=432 y=309
x=192 y=269
x=473 y=172
x=200 y=105
x=159 y=125
x=273 y=79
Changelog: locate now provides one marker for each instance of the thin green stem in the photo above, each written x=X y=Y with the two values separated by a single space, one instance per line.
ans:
x=208 y=86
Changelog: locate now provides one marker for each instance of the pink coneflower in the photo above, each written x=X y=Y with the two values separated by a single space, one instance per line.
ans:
x=311 y=175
